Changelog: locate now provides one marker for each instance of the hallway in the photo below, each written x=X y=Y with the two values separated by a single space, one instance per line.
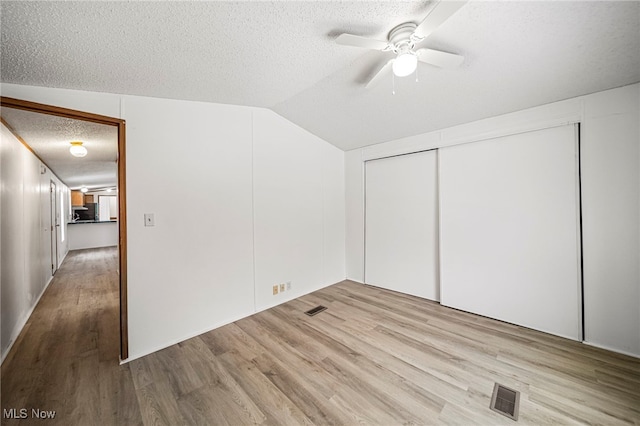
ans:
x=66 y=358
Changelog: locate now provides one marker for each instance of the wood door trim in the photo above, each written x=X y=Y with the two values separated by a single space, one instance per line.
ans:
x=122 y=218
x=59 y=111
x=122 y=252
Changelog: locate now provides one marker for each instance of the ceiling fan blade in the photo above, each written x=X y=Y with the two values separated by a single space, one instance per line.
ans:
x=384 y=71
x=439 y=58
x=440 y=13
x=359 y=41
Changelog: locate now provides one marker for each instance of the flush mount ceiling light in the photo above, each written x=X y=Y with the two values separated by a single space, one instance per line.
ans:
x=84 y=188
x=77 y=150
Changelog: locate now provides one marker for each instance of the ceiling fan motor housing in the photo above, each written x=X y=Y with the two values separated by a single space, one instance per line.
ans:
x=402 y=37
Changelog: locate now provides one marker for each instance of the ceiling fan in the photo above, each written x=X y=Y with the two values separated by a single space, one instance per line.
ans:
x=403 y=39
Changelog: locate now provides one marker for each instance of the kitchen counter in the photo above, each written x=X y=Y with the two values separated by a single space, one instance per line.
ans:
x=91 y=221
x=99 y=234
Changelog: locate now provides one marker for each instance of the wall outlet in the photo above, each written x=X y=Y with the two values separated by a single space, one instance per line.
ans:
x=275 y=289
x=281 y=288
x=288 y=285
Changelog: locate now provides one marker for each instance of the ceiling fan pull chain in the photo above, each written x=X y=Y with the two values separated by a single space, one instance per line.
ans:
x=393 y=84
x=417 y=74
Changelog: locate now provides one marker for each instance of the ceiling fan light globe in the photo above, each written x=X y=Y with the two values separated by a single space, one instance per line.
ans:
x=405 y=64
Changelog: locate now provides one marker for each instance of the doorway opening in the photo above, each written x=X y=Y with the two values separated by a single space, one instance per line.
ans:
x=121 y=208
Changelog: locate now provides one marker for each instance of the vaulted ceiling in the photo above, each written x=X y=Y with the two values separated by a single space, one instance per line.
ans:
x=282 y=55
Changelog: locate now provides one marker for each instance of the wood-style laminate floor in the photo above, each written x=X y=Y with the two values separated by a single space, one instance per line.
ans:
x=374 y=357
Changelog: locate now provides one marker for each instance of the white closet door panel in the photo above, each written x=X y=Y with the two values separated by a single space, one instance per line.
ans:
x=509 y=230
x=401 y=222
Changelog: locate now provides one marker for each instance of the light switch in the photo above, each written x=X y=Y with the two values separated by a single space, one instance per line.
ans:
x=149 y=220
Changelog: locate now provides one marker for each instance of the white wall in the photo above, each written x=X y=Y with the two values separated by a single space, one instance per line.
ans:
x=25 y=242
x=354 y=219
x=610 y=200
x=298 y=209
x=189 y=164
x=15 y=300
x=248 y=191
x=611 y=219
x=246 y=188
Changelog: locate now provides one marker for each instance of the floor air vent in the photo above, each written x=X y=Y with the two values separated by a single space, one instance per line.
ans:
x=505 y=401
x=316 y=310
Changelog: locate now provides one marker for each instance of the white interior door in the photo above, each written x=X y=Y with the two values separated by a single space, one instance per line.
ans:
x=401 y=224
x=509 y=230
x=53 y=214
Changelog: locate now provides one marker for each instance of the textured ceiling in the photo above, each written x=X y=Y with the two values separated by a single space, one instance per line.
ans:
x=49 y=137
x=282 y=55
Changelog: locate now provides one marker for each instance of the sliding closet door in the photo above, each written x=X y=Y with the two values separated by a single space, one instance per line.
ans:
x=510 y=230
x=401 y=224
